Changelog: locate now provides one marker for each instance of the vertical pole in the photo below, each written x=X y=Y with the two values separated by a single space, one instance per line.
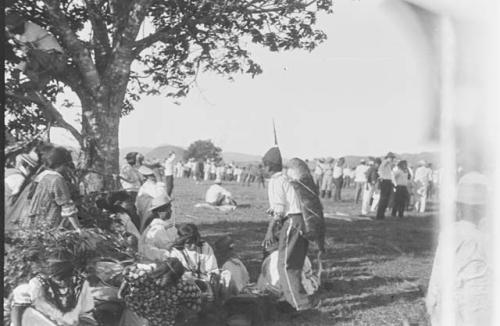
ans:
x=449 y=168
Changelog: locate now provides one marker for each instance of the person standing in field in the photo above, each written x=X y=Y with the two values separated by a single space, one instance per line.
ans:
x=401 y=177
x=370 y=185
x=318 y=173
x=286 y=213
x=327 y=178
x=422 y=177
x=261 y=180
x=386 y=186
x=472 y=266
x=360 y=179
x=131 y=179
x=169 y=173
x=338 y=178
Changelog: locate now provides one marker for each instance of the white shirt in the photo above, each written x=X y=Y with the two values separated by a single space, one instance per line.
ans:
x=385 y=170
x=338 y=171
x=215 y=193
x=360 y=173
x=471 y=274
x=157 y=239
x=423 y=175
x=169 y=165
x=283 y=199
x=399 y=177
x=202 y=260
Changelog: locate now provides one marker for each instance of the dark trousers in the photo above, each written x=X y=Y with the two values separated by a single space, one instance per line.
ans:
x=169 y=181
x=292 y=249
x=358 y=191
x=400 y=200
x=338 y=182
x=385 y=194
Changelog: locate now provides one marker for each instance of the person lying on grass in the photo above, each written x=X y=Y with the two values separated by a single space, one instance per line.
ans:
x=218 y=196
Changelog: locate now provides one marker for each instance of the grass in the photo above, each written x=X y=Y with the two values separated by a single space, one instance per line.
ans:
x=375 y=272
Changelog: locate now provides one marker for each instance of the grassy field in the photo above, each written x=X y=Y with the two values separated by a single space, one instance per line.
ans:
x=376 y=272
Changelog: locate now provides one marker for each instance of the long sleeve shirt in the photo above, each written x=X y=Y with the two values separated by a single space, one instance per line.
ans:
x=360 y=173
x=215 y=194
x=283 y=200
x=400 y=177
x=169 y=165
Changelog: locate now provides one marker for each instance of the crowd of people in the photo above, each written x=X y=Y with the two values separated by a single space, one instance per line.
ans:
x=379 y=183
x=40 y=194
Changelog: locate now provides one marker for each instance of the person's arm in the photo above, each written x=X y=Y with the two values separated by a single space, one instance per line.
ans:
x=62 y=198
x=209 y=263
x=157 y=245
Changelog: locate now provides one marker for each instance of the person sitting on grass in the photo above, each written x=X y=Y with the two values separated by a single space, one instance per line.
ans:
x=198 y=257
x=156 y=242
x=58 y=296
x=234 y=274
x=218 y=196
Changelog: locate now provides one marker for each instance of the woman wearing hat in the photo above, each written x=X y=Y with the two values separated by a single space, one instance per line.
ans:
x=472 y=267
x=58 y=296
x=150 y=189
x=160 y=234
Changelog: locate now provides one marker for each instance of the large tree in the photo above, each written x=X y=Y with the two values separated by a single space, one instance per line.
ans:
x=121 y=49
x=202 y=150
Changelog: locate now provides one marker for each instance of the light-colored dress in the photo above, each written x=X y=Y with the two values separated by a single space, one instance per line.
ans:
x=200 y=263
x=156 y=241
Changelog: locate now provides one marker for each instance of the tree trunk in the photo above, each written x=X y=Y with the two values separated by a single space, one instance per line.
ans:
x=101 y=146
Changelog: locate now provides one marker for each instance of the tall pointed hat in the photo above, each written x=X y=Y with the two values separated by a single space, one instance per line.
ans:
x=273 y=155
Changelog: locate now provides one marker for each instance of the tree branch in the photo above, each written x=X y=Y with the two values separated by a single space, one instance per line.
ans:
x=78 y=52
x=100 y=35
x=299 y=5
x=48 y=109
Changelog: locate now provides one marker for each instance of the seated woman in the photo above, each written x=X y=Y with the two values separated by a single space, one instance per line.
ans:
x=157 y=240
x=234 y=275
x=60 y=296
x=197 y=256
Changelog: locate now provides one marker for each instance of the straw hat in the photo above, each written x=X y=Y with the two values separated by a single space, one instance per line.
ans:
x=144 y=170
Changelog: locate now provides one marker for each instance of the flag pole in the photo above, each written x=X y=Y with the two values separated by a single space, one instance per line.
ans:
x=275 y=136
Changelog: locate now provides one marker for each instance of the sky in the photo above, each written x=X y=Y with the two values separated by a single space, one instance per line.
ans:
x=364 y=91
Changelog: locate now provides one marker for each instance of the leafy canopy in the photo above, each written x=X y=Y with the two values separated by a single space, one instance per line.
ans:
x=202 y=150
x=169 y=42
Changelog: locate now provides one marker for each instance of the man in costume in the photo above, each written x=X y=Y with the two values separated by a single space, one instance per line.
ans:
x=285 y=210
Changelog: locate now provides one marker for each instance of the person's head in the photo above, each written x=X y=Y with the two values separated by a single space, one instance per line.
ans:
x=189 y=237
x=161 y=205
x=14 y=23
x=224 y=248
x=362 y=162
x=131 y=158
x=173 y=270
x=59 y=265
x=403 y=165
x=390 y=156
x=218 y=181
x=56 y=158
x=471 y=198
x=377 y=161
x=139 y=158
x=341 y=161
x=272 y=160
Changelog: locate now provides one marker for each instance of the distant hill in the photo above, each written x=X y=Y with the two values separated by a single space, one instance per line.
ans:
x=240 y=158
x=162 y=152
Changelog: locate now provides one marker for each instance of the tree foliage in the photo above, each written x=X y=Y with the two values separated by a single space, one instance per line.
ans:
x=120 y=50
x=202 y=150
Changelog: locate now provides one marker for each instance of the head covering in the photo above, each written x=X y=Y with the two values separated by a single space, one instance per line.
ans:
x=31 y=159
x=362 y=161
x=390 y=155
x=472 y=189
x=273 y=157
x=131 y=156
x=160 y=200
x=218 y=181
x=13 y=19
x=144 y=170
